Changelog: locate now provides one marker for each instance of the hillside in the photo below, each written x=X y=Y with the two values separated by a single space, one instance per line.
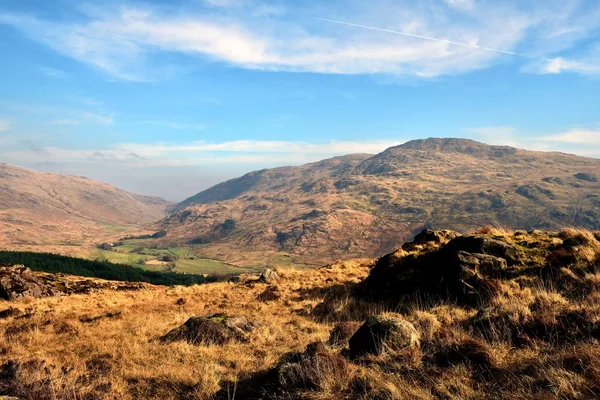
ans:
x=516 y=316
x=40 y=209
x=364 y=205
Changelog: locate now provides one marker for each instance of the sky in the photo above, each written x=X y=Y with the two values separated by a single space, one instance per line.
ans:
x=170 y=97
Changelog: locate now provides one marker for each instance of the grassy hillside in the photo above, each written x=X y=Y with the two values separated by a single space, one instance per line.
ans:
x=38 y=210
x=517 y=316
x=358 y=206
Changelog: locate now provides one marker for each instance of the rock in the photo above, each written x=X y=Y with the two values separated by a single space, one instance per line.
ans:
x=484 y=264
x=17 y=282
x=216 y=329
x=307 y=370
x=465 y=269
x=10 y=312
x=585 y=176
x=268 y=276
x=430 y=236
x=380 y=334
x=341 y=334
x=234 y=279
x=484 y=245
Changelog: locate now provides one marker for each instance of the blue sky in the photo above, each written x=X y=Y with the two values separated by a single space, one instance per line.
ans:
x=170 y=97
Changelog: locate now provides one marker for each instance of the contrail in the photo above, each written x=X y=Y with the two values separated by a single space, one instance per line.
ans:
x=412 y=35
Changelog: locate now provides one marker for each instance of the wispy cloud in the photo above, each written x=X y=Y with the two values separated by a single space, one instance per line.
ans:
x=101 y=119
x=265 y=153
x=588 y=137
x=123 y=42
x=581 y=141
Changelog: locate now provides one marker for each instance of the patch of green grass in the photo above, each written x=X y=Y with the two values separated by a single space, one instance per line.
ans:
x=206 y=266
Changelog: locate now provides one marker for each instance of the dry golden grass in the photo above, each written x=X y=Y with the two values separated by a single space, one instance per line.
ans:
x=532 y=340
x=120 y=358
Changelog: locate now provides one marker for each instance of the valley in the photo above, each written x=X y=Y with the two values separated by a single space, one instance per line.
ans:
x=306 y=216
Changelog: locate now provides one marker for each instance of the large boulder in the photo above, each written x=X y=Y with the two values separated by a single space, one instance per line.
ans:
x=268 y=276
x=381 y=334
x=17 y=282
x=465 y=269
x=217 y=329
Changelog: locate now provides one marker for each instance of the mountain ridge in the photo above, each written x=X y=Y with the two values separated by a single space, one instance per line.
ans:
x=367 y=205
x=43 y=208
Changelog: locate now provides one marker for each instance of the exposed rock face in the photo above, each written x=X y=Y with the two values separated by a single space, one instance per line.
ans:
x=17 y=282
x=380 y=334
x=268 y=276
x=465 y=269
x=217 y=329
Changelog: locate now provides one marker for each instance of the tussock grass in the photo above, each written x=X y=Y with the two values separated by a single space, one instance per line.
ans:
x=537 y=337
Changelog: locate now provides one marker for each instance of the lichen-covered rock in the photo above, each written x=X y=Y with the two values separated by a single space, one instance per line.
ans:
x=216 y=329
x=380 y=334
x=17 y=282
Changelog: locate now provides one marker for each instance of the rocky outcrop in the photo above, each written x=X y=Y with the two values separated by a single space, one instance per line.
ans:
x=216 y=329
x=381 y=334
x=586 y=176
x=17 y=282
x=268 y=276
x=432 y=237
x=465 y=269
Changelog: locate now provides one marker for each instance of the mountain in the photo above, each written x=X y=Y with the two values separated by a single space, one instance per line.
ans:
x=38 y=209
x=361 y=205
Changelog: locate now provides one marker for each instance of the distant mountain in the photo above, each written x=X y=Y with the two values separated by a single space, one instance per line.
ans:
x=363 y=205
x=38 y=208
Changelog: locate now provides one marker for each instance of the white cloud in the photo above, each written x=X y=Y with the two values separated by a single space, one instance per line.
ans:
x=5 y=125
x=123 y=44
x=461 y=4
x=225 y=3
x=84 y=117
x=581 y=141
x=588 y=137
x=266 y=153
x=558 y=65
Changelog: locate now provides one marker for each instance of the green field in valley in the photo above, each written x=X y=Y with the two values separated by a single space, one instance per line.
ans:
x=186 y=260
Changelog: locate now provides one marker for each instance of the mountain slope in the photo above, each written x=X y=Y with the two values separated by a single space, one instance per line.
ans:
x=366 y=206
x=38 y=208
